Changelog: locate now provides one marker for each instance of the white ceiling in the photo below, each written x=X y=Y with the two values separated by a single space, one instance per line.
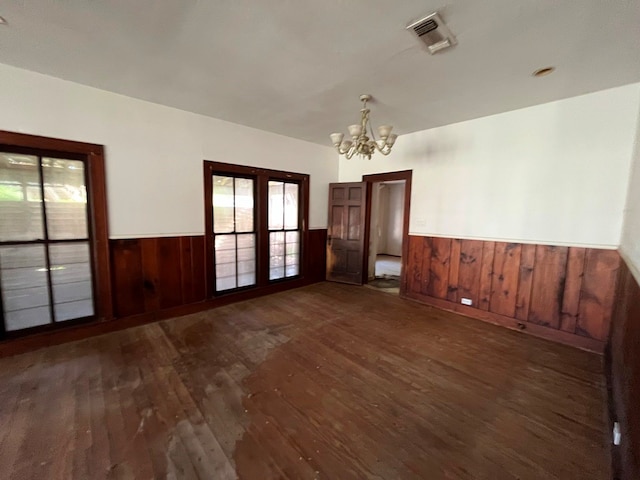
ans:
x=297 y=67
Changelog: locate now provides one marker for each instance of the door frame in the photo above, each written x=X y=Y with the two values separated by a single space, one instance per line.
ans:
x=387 y=177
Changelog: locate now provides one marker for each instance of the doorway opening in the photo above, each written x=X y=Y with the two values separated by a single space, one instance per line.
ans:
x=385 y=237
x=387 y=230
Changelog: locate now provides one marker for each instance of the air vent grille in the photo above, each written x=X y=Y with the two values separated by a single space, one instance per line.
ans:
x=425 y=27
x=433 y=32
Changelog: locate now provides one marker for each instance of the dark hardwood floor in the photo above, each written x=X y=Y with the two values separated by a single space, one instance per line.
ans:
x=324 y=382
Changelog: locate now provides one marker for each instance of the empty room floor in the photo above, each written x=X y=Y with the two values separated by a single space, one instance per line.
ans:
x=324 y=382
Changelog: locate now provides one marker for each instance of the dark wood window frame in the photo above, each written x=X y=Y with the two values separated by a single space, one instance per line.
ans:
x=93 y=157
x=262 y=177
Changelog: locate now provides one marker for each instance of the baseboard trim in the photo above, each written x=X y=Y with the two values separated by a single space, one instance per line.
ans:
x=559 y=336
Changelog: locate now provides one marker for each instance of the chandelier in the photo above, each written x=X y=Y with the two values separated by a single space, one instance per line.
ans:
x=361 y=144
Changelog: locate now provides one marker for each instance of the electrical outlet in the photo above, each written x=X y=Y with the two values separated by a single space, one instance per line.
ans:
x=466 y=301
x=617 y=435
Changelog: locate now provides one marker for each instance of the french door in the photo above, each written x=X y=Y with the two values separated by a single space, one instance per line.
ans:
x=46 y=270
x=255 y=222
x=234 y=230
x=284 y=229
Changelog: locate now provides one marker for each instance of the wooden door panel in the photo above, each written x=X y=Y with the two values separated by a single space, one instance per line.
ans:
x=338 y=193
x=355 y=193
x=354 y=222
x=340 y=256
x=354 y=262
x=335 y=222
x=345 y=237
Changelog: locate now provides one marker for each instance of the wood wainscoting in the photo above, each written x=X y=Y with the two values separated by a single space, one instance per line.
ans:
x=622 y=367
x=154 y=274
x=150 y=274
x=163 y=277
x=565 y=294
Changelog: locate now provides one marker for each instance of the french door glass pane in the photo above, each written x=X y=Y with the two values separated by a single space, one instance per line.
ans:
x=284 y=245
x=225 y=262
x=223 y=216
x=284 y=254
x=244 y=205
x=276 y=255
x=292 y=257
x=20 y=203
x=65 y=196
x=235 y=261
x=71 y=280
x=25 y=294
x=291 y=206
x=276 y=205
x=233 y=228
x=246 y=259
x=30 y=273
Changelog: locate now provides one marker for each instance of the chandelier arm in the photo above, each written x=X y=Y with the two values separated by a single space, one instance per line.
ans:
x=350 y=153
x=386 y=149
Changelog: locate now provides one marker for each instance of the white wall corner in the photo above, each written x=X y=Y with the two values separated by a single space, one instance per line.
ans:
x=630 y=234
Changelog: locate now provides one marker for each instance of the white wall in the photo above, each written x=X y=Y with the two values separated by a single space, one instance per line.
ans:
x=154 y=153
x=630 y=241
x=554 y=173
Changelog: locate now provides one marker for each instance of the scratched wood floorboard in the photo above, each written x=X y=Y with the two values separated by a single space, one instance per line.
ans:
x=324 y=382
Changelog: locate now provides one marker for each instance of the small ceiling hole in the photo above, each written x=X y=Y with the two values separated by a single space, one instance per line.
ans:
x=542 y=72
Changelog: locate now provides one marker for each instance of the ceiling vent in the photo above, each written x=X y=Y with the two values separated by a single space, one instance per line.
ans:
x=433 y=32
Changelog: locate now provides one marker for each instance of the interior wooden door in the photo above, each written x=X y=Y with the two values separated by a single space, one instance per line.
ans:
x=345 y=238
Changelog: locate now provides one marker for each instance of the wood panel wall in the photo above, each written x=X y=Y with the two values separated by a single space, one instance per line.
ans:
x=561 y=293
x=157 y=278
x=150 y=274
x=622 y=367
x=155 y=274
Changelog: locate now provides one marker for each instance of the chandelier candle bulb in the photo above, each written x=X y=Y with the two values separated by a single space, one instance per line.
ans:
x=336 y=138
x=362 y=144
x=355 y=130
x=384 y=131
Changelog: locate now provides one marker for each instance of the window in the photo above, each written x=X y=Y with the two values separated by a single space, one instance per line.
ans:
x=284 y=232
x=255 y=226
x=234 y=232
x=48 y=233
